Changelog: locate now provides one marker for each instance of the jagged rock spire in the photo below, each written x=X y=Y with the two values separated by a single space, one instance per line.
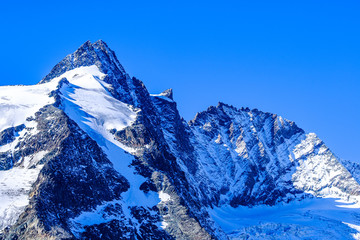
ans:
x=88 y=54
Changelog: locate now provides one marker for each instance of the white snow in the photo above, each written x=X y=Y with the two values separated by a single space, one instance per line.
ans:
x=15 y=185
x=19 y=102
x=164 y=224
x=164 y=197
x=309 y=216
x=162 y=96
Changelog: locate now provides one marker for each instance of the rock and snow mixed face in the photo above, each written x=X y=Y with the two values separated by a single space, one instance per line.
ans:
x=17 y=104
x=146 y=173
x=15 y=186
x=242 y=157
x=270 y=153
x=321 y=174
x=86 y=99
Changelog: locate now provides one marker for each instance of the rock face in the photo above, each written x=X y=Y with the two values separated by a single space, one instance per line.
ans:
x=98 y=157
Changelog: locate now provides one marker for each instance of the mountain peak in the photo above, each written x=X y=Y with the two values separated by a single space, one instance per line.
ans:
x=100 y=42
x=97 y=53
x=87 y=43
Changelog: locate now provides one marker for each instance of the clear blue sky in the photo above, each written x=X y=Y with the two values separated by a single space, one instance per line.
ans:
x=299 y=59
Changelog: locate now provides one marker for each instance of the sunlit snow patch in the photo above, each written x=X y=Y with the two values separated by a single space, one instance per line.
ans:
x=164 y=197
x=20 y=102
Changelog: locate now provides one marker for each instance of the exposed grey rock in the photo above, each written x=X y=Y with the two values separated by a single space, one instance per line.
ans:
x=8 y=135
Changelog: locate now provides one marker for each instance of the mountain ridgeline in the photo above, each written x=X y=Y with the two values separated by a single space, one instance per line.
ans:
x=89 y=153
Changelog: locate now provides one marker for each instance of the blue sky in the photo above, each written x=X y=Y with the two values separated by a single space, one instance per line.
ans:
x=299 y=59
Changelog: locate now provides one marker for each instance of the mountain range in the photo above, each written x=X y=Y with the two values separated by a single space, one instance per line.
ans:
x=89 y=153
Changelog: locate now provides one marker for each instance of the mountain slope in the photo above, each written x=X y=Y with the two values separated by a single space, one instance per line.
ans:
x=88 y=153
